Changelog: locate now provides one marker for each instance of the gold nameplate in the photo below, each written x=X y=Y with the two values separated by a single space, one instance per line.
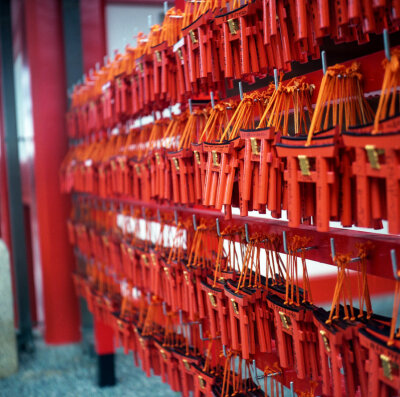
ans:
x=145 y=260
x=163 y=355
x=180 y=55
x=202 y=382
x=235 y=306
x=120 y=324
x=373 y=156
x=186 y=364
x=325 y=340
x=386 y=366
x=233 y=26
x=193 y=37
x=212 y=299
x=176 y=163
x=254 y=146
x=304 y=164
x=197 y=156
x=285 y=320
x=186 y=276
x=215 y=158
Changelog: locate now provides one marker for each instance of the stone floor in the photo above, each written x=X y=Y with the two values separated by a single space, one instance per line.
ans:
x=60 y=371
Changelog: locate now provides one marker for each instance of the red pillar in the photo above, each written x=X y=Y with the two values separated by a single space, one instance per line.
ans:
x=44 y=47
x=93 y=33
x=180 y=4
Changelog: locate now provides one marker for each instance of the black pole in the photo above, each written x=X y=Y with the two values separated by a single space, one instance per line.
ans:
x=74 y=73
x=18 y=238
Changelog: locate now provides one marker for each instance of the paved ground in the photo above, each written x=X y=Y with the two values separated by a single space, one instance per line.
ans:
x=70 y=371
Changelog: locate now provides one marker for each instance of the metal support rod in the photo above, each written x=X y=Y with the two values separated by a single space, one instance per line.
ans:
x=246 y=231
x=394 y=264
x=386 y=44
x=218 y=227
x=284 y=243
x=291 y=389
x=190 y=106
x=323 y=60
x=241 y=90
x=269 y=375
x=285 y=248
x=158 y=215
x=181 y=320
x=201 y=334
x=212 y=99
x=333 y=251
x=276 y=78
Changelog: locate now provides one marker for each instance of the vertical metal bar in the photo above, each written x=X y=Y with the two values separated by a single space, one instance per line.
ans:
x=323 y=59
x=394 y=264
x=284 y=242
x=333 y=251
x=276 y=79
x=18 y=238
x=386 y=43
x=291 y=389
x=218 y=227
x=246 y=230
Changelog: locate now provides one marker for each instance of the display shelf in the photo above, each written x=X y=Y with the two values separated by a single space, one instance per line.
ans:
x=346 y=240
